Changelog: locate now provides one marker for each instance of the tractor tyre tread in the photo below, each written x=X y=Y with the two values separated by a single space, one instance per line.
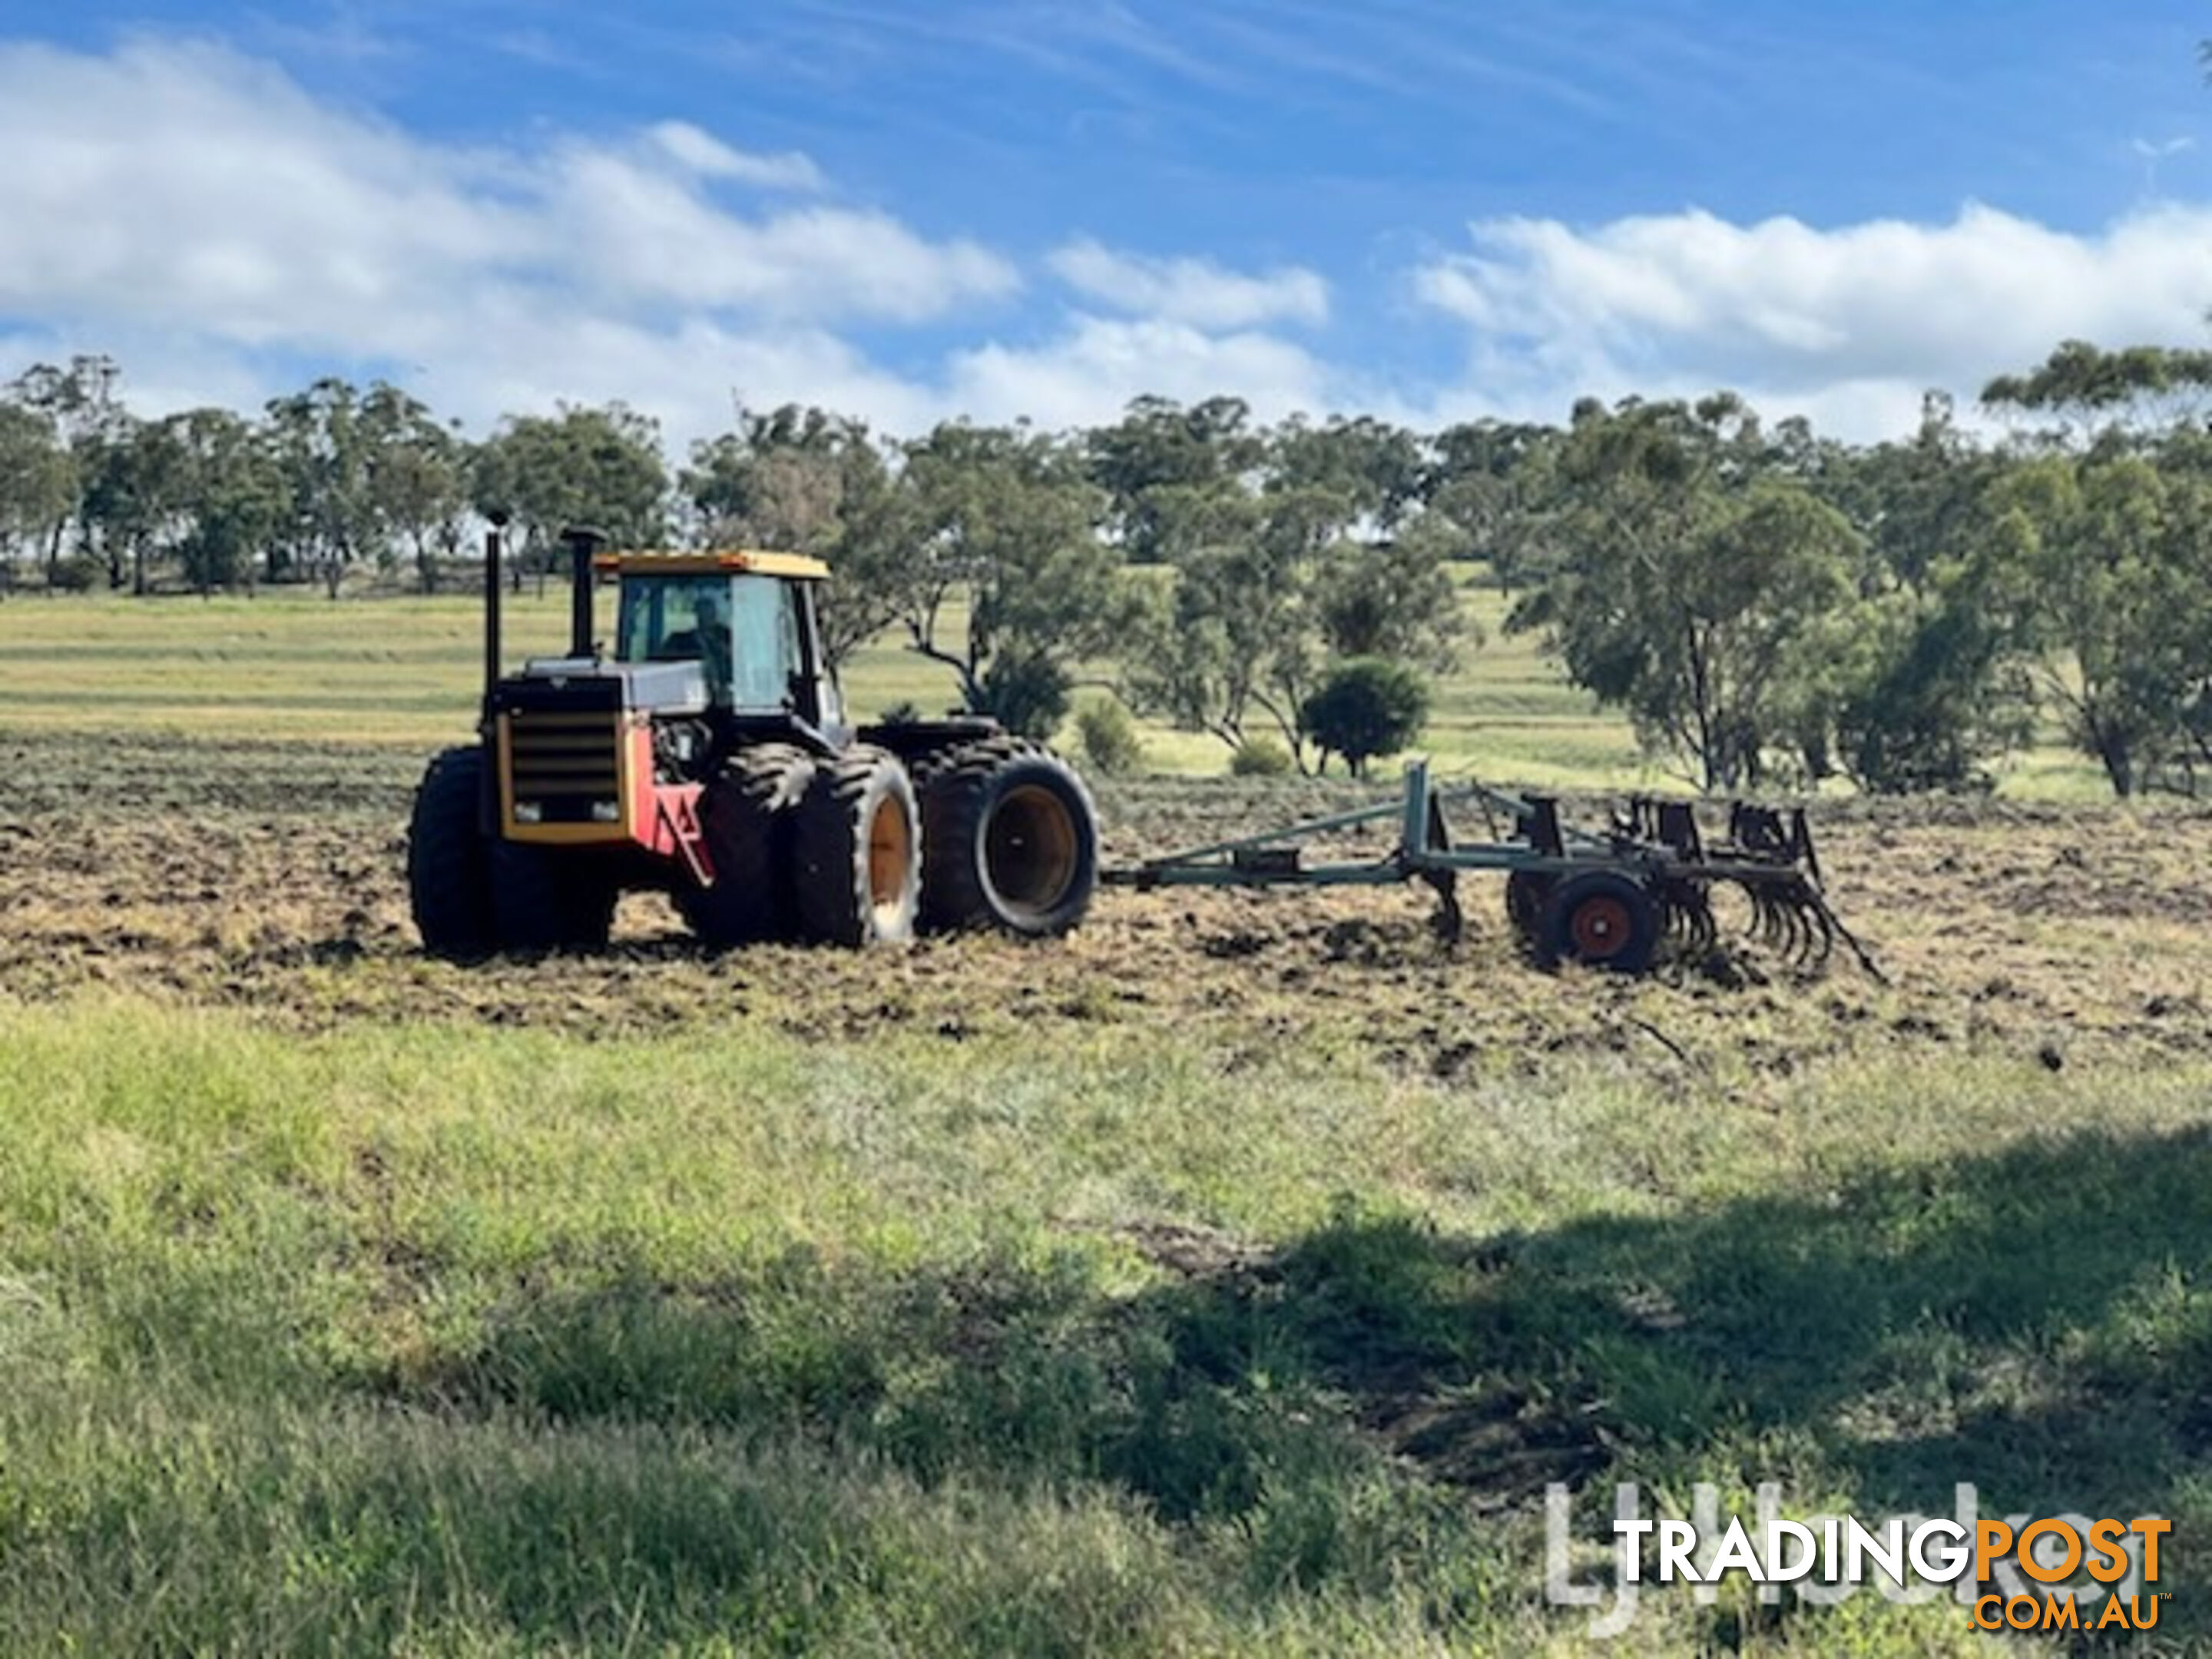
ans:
x=834 y=883
x=544 y=898
x=448 y=869
x=962 y=787
x=746 y=818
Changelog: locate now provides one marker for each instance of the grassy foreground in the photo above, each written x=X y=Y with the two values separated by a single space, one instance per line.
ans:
x=440 y=1341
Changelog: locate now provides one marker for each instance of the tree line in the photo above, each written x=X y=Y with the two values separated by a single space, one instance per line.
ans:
x=1767 y=605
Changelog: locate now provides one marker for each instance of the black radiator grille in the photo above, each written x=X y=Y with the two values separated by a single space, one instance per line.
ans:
x=565 y=760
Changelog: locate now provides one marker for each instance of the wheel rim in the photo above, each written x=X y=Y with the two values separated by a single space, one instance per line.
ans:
x=890 y=855
x=1601 y=927
x=1029 y=849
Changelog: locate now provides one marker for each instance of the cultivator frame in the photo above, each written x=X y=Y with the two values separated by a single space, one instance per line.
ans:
x=1616 y=899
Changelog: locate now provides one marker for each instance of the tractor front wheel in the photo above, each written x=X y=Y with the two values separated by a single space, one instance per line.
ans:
x=448 y=872
x=858 y=865
x=543 y=899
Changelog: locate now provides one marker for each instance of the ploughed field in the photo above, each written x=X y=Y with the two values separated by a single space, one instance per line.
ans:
x=270 y=877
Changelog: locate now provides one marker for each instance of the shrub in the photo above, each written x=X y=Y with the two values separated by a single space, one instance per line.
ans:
x=1110 y=744
x=1369 y=706
x=80 y=573
x=1029 y=695
x=1260 y=757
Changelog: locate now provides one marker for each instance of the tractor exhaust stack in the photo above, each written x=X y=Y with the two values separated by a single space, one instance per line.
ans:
x=583 y=541
x=492 y=579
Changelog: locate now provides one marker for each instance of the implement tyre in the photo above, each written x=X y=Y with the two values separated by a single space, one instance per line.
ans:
x=748 y=816
x=858 y=862
x=1526 y=891
x=1599 y=919
x=449 y=865
x=1011 y=838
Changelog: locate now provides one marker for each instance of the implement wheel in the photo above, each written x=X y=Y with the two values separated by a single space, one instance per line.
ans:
x=1012 y=840
x=448 y=872
x=857 y=861
x=1600 y=919
x=1526 y=892
x=748 y=818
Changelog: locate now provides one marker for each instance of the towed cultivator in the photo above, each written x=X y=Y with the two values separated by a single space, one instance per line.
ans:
x=1617 y=899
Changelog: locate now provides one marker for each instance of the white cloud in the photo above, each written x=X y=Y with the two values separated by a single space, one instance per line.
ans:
x=1197 y=292
x=1849 y=325
x=174 y=203
x=710 y=158
x=1092 y=370
x=226 y=235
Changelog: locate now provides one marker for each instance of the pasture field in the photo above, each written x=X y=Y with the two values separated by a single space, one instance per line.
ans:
x=405 y=670
x=1232 y=1277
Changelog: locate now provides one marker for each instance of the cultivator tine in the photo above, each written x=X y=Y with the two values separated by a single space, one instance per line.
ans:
x=1690 y=928
x=1790 y=917
x=1822 y=924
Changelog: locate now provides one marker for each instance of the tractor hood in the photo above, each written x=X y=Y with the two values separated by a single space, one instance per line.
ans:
x=660 y=688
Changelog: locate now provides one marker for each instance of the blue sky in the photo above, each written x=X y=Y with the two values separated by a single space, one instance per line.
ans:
x=1022 y=207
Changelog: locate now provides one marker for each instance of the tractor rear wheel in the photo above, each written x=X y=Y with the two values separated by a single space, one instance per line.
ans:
x=1600 y=919
x=1012 y=838
x=448 y=871
x=543 y=899
x=858 y=868
x=747 y=818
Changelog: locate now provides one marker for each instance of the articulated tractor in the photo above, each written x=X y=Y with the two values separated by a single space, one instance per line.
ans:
x=707 y=754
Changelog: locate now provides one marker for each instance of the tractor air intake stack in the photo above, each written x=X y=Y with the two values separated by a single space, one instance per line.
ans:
x=492 y=579
x=582 y=541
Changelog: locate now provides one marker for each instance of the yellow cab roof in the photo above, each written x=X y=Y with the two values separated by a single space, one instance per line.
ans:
x=795 y=567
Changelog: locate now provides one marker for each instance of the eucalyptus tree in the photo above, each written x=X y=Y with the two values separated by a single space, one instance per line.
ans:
x=807 y=481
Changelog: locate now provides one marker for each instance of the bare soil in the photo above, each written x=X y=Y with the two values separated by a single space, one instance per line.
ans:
x=270 y=877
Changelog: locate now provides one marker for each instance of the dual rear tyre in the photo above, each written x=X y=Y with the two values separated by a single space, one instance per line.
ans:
x=821 y=849
x=854 y=849
x=1012 y=838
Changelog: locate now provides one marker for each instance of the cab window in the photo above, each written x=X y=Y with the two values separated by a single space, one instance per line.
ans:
x=743 y=631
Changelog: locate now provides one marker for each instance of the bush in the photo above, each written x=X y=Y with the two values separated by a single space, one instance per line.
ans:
x=80 y=573
x=1110 y=744
x=1028 y=695
x=1260 y=757
x=1369 y=706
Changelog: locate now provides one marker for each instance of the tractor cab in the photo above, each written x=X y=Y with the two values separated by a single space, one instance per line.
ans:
x=747 y=619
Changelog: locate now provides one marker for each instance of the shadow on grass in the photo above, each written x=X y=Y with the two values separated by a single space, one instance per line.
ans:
x=2038 y=1322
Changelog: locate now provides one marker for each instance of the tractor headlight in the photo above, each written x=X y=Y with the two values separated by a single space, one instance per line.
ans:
x=529 y=811
x=606 y=811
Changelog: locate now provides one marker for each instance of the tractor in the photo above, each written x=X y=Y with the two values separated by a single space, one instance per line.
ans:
x=708 y=756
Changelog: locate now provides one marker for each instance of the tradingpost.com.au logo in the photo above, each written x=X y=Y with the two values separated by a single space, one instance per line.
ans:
x=2023 y=1572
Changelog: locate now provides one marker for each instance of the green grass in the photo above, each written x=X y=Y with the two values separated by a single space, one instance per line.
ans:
x=438 y=1340
x=406 y=671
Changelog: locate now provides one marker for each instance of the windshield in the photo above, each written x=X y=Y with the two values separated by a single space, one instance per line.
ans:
x=743 y=630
